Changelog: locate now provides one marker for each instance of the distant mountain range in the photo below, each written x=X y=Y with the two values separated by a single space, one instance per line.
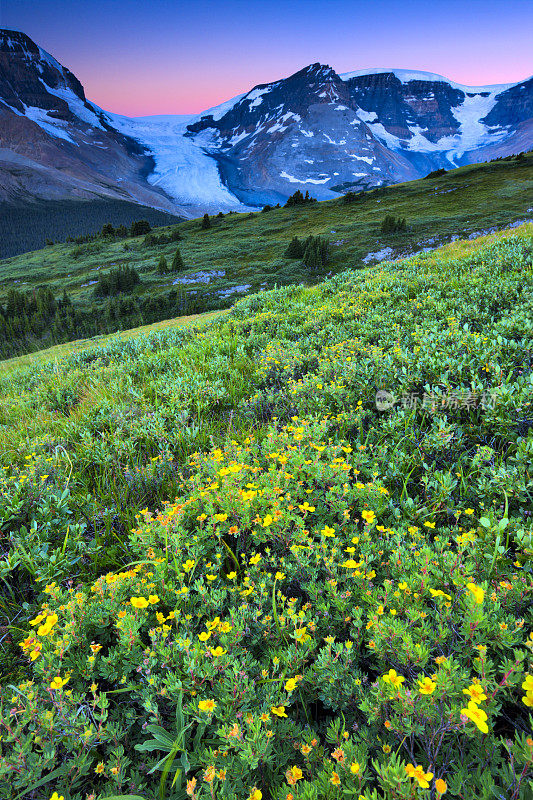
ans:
x=315 y=130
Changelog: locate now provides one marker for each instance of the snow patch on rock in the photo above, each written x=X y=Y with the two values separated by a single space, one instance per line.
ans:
x=292 y=179
x=54 y=127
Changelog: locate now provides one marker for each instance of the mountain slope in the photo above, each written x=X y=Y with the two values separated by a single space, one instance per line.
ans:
x=427 y=114
x=327 y=132
x=318 y=484
x=54 y=144
x=243 y=253
x=300 y=132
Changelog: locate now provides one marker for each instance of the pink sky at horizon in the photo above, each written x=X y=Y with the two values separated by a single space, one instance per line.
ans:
x=168 y=99
x=170 y=57
x=158 y=92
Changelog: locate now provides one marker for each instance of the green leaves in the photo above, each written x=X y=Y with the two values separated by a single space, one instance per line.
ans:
x=172 y=744
x=125 y=797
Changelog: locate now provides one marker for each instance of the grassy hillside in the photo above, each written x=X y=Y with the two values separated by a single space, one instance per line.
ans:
x=282 y=553
x=244 y=253
x=60 y=351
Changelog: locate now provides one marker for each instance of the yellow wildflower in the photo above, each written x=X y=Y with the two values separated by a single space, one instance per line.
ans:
x=477 y=591
x=476 y=693
x=393 y=678
x=426 y=686
x=209 y=774
x=58 y=682
x=293 y=774
x=139 y=602
x=335 y=780
x=419 y=775
x=476 y=715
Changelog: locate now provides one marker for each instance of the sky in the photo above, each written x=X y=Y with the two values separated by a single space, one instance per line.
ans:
x=142 y=57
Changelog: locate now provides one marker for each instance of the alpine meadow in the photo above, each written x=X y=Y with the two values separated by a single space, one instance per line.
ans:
x=266 y=408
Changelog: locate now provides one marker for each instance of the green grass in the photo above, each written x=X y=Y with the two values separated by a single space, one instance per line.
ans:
x=61 y=351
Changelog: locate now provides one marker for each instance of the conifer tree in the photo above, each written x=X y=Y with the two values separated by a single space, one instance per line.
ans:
x=310 y=256
x=140 y=228
x=206 y=222
x=392 y=225
x=162 y=266
x=316 y=252
x=387 y=226
x=108 y=230
x=181 y=301
x=177 y=262
x=295 y=248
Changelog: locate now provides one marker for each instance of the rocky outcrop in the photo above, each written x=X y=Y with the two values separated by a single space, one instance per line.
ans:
x=55 y=144
x=28 y=73
x=300 y=133
x=513 y=106
x=400 y=107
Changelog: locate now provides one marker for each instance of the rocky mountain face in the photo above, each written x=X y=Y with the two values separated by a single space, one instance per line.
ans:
x=302 y=132
x=328 y=133
x=315 y=130
x=54 y=144
x=31 y=78
x=436 y=122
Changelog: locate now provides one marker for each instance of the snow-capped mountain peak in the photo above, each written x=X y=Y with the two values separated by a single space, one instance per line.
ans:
x=408 y=75
x=314 y=130
x=358 y=129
